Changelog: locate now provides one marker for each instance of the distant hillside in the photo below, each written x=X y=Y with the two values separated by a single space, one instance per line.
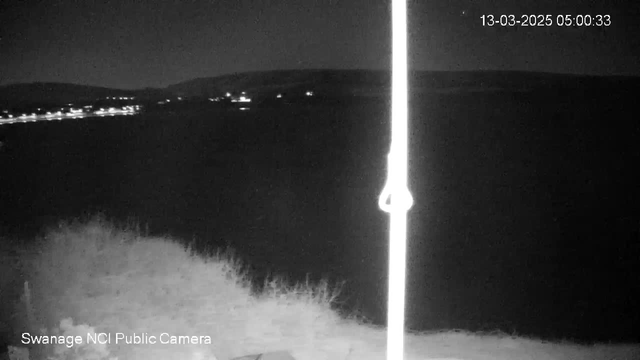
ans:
x=337 y=83
x=372 y=82
x=59 y=93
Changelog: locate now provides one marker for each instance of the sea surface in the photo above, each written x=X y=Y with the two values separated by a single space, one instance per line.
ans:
x=526 y=215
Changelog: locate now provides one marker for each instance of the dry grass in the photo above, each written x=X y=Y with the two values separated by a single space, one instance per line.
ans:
x=121 y=281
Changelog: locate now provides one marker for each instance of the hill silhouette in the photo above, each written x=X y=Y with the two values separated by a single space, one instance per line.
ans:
x=337 y=83
x=378 y=82
x=44 y=93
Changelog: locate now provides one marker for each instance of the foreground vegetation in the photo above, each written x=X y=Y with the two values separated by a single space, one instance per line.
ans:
x=94 y=277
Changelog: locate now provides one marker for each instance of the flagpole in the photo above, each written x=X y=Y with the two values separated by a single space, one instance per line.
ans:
x=396 y=198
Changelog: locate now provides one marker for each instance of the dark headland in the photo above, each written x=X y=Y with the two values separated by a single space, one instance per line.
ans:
x=327 y=83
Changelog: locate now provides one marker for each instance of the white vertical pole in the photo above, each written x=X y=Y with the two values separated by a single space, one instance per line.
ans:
x=396 y=198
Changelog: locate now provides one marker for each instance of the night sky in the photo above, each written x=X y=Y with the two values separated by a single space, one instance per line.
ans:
x=151 y=43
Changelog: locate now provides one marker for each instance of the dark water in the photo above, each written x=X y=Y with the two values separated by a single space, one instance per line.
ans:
x=526 y=215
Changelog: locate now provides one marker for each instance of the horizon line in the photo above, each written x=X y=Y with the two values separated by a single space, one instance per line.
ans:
x=321 y=69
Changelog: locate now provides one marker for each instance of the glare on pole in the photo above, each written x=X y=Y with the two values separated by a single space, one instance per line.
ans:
x=396 y=198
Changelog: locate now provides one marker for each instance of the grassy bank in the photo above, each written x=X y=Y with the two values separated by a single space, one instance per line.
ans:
x=120 y=280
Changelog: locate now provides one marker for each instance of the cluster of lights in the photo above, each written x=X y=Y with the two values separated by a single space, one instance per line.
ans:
x=168 y=101
x=307 y=93
x=5 y=115
x=72 y=113
x=120 y=97
x=55 y=114
x=242 y=98
x=114 y=111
